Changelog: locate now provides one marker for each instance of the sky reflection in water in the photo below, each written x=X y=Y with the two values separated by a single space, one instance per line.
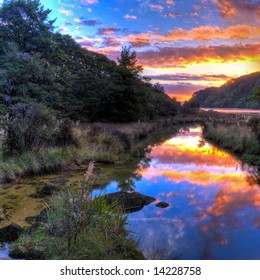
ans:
x=214 y=208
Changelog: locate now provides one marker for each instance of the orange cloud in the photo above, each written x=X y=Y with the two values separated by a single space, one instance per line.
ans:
x=107 y=30
x=182 y=91
x=207 y=33
x=173 y=57
x=238 y=9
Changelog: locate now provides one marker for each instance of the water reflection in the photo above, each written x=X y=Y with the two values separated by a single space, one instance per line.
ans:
x=214 y=202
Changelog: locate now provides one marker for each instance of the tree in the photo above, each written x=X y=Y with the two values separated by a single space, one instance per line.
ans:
x=27 y=78
x=25 y=22
x=256 y=93
x=128 y=61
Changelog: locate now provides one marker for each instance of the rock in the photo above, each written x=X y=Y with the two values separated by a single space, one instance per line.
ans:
x=105 y=161
x=31 y=253
x=36 y=221
x=10 y=233
x=130 y=201
x=162 y=204
x=47 y=190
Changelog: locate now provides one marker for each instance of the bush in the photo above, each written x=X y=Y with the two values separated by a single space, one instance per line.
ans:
x=64 y=135
x=26 y=128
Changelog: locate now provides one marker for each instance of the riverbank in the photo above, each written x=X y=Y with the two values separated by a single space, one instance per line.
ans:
x=99 y=142
x=76 y=226
x=105 y=144
x=240 y=136
x=118 y=142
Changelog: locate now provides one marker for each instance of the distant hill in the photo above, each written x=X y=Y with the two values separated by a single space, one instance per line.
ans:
x=236 y=93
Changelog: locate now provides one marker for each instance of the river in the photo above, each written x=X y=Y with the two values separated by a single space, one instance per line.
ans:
x=214 y=201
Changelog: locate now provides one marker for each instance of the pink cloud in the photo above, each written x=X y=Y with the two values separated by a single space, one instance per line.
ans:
x=127 y=16
x=90 y=1
x=156 y=7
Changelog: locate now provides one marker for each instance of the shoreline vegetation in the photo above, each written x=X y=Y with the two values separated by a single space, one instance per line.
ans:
x=114 y=143
x=239 y=135
x=99 y=142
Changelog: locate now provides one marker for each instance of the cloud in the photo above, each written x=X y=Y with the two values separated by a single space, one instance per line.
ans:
x=238 y=9
x=89 y=2
x=190 y=77
x=170 y=2
x=158 y=8
x=204 y=33
x=66 y=12
x=107 y=30
x=174 y=15
x=182 y=91
x=91 y=22
x=63 y=28
x=87 y=42
x=139 y=42
x=207 y=33
x=111 y=42
x=169 y=57
x=87 y=22
x=127 y=16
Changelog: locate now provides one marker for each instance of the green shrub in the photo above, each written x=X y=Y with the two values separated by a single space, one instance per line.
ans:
x=26 y=128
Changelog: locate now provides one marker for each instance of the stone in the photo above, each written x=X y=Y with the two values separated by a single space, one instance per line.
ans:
x=10 y=233
x=47 y=190
x=31 y=253
x=162 y=204
x=130 y=201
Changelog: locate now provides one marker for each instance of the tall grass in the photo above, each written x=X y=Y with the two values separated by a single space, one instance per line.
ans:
x=79 y=227
x=239 y=138
x=99 y=142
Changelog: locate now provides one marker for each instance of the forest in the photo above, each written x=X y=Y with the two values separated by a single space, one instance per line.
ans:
x=40 y=66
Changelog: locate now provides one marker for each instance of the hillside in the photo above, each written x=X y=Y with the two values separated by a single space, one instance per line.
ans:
x=236 y=93
x=39 y=66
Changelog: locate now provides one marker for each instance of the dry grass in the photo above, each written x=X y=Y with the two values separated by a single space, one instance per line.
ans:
x=238 y=136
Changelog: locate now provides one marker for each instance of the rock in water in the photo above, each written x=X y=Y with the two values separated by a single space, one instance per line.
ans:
x=10 y=233
x=162 y=204
x=130 y=201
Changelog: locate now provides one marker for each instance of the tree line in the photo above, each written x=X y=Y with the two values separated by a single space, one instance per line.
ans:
x=40 y=66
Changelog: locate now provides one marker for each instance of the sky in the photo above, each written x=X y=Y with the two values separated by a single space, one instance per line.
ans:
x=186 y=45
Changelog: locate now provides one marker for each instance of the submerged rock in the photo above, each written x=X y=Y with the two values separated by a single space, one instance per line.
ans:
x=162 y=204
x=47 y=190
x=10 y=233
x=130 y=201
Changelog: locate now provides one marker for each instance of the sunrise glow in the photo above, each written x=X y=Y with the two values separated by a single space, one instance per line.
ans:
x=173 y=39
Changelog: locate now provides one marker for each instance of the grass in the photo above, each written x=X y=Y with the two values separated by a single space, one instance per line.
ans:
x=79 y=227
x=99 y=142
x=240 y=138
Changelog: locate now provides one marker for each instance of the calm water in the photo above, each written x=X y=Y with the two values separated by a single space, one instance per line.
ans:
x=214 y=210
x=233 y=111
